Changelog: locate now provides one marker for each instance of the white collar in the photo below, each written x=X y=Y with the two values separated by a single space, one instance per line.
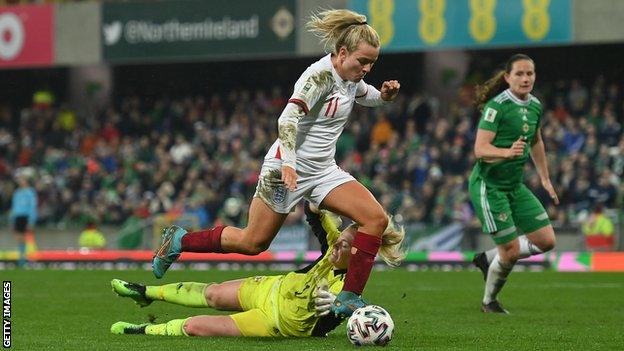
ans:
x=516 y=99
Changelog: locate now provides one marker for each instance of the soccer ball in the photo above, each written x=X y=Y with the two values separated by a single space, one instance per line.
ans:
x=370 y=325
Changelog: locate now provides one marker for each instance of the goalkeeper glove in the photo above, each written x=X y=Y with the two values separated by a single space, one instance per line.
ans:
x=323 y=300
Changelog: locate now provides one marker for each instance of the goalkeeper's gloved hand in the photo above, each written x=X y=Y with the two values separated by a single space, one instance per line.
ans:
x=323 y=300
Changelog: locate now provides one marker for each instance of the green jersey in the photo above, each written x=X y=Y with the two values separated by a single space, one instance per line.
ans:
x=510 y=118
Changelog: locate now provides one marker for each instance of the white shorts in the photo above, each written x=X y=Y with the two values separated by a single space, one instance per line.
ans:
x=312 y=187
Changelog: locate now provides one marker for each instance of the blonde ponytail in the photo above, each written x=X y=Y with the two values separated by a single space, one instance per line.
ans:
x=338 y=28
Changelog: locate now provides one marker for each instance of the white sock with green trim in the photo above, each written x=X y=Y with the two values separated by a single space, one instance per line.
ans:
x=527 y=249
x=496 y=279
x=491 y=253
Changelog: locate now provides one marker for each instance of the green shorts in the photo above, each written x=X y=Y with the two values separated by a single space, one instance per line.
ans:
x=502 y=212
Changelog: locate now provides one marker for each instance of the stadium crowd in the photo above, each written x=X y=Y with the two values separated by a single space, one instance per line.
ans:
x=202 y=154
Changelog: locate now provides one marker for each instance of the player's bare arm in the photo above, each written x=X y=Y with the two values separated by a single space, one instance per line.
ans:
x=490 y=153
x=538 y=154
x=287 y=135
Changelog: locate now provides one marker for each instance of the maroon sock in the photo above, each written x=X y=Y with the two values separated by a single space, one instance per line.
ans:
x=361 y=262
x=203 y=241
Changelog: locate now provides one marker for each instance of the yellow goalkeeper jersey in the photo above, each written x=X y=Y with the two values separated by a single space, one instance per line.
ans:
x=287 y=301
x=295 y=299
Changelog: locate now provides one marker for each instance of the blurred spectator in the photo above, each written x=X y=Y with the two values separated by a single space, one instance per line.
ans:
x=577 y=98
x=603 y=192
x=232 y=213
x=610 y=129
x=91 y=237
x=419 y=111
x=560 y=111
x=573 y=139
x=43 y=99
x=149 y=156
x=66 y=120
x=196 y=208
x=181 y=151
x=598 y=231
x=382 y=130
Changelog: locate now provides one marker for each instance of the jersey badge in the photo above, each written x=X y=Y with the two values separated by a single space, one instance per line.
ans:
x=279 y=195
x=307 y=87
x=490 y=114
x=502 y=217
x=525 y=128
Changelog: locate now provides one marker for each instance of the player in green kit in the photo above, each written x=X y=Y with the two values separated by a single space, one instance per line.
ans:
x=297 y=304
x=507 y=135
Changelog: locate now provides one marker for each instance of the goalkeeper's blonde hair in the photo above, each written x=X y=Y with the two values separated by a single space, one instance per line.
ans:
x=391 y=250
x=338 y=28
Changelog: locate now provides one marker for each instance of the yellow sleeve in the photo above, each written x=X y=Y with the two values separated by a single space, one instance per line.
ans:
x=330 y=223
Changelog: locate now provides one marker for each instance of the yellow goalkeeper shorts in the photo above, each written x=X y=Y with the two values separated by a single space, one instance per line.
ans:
x=255 y=297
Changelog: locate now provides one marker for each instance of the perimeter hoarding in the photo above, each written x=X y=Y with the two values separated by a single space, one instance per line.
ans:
x=194 y=30
x=408 y=25
x=26 y=36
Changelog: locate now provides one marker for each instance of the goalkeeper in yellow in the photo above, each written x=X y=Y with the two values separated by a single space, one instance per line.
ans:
x=296 y=304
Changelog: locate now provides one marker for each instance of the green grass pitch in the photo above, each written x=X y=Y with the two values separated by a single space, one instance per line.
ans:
x=73 y=310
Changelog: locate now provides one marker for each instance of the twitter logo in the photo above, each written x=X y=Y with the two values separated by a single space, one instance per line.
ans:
x=112 y=32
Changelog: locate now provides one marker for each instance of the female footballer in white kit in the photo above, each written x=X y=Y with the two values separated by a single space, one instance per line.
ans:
x=301 y=165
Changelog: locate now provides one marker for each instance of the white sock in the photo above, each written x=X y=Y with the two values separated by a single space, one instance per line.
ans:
x=491 y=253
x=496 y=279
x=527 y=249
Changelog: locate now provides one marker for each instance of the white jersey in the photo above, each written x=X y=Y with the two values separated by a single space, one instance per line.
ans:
x=318 y=110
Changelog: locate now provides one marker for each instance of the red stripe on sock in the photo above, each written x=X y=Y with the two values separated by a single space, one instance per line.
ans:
x=361 y=263
x=203 y=240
